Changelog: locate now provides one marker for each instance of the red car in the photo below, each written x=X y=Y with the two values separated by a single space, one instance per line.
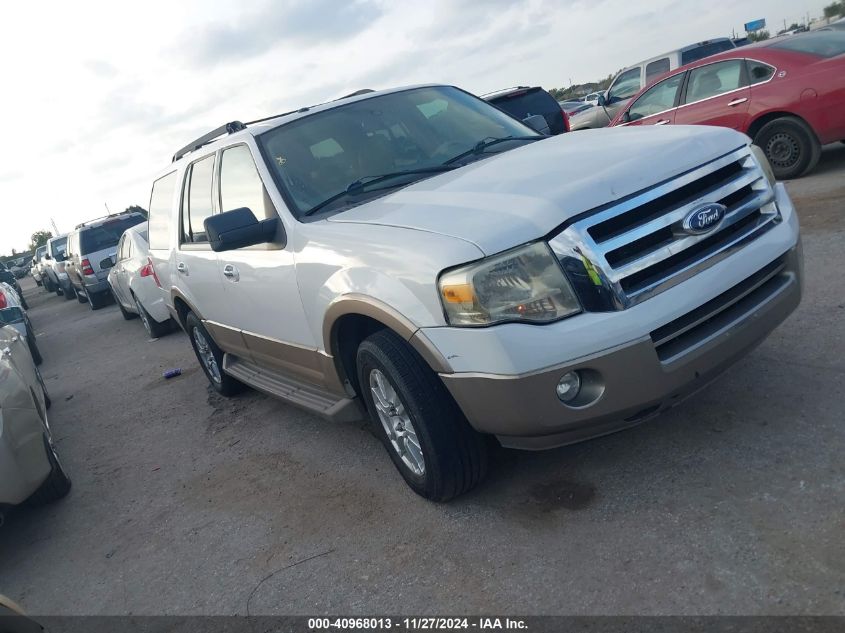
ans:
x=787 y=94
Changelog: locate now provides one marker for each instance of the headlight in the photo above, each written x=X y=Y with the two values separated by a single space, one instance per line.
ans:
x=525 y=284
x=760 y=155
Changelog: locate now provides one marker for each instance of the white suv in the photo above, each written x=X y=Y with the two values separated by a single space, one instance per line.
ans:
x=420 y=256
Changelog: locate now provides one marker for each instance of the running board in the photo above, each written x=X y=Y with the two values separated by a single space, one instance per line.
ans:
x=297 y=392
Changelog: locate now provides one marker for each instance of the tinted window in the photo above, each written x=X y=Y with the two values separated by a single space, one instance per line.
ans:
x=522 y=105
x=58 y=247
x=655 y=69
x=401 y=131
x=821 y=43
x=98 y=238
x=240 y=184
x=198 y=200
x=759 y=72
x=161 y=205
x=626 y=86
x=714 y=79
x=658 y=98
x=705 y=50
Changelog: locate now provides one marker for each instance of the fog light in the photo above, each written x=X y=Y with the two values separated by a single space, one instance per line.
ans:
x=568 y=387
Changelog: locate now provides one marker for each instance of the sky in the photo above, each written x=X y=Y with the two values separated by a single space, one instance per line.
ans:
x=97 y=96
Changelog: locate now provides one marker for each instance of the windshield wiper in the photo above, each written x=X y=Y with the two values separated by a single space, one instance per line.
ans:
x=356 y=187
x=479 y=147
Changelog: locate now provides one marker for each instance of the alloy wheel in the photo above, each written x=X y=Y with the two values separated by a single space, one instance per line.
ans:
x=396 y=422
x=206 y=355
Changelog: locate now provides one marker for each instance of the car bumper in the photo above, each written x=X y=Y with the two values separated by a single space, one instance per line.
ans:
x=634 y=362
x=96 y=286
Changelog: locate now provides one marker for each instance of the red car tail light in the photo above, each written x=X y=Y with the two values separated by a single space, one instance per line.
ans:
x=3 y=302
x=149 y=271
x=86 y=267
x=565 y=121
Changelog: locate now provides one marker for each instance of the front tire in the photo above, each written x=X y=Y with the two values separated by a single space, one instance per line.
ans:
x=427 y=437
x=210 y=357
x=790 y=145
x=153 y=327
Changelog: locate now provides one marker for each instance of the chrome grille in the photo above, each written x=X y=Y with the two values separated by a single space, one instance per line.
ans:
x=639 y=245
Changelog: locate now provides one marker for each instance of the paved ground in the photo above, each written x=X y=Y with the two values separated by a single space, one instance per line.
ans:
x=187 y=503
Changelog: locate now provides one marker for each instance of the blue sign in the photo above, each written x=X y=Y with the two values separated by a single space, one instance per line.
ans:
x=756 y=25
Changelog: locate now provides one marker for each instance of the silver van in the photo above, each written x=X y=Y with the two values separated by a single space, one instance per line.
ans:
x=87 y=246
x=630 y=80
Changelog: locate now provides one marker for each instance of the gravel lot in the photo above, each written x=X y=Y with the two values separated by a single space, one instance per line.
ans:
x=188 y=503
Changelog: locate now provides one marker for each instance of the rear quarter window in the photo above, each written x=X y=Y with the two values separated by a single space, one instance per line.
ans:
x=161 y=207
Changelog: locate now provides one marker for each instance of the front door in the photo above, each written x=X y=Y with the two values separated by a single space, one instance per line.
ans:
x=260 y=287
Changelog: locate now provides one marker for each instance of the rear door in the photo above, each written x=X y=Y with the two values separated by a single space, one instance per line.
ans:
x=716 y=94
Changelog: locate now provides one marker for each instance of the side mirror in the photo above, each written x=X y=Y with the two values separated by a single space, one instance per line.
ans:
x=108 y=262
x=601 y=100
x=47 y=256
x=240 y=228
x=538 y=123
x=626 y=117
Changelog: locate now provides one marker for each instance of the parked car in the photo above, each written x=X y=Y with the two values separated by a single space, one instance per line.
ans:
x=13 y=312
x=37 y=264
x=628 y=81
x=30 y=469
x=839 y=25
x=416 y=255
x=135 y=285
x=6 y=276
x=573 y=107
x=87 y=246
x=523 y=102
x=787 y=94
x=55 y=276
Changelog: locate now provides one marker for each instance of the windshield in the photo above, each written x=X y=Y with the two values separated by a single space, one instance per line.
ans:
x=317 y=157
x=58 y=247
x=106 y=235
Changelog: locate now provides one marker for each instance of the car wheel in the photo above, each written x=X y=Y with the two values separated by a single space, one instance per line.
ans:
x=96 y=300
x=123 y=311
x=80 y=296
x=24 y=304
x=67 y=293
x=427 y=437
x=33 y=346
x=790 y=145
x=57 y=484
x=210 y=357
x=153 y=327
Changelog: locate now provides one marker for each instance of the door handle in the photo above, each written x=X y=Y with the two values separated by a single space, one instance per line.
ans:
x=230 y=272
x=182 y=268
x=662 y=122
x=736 y=102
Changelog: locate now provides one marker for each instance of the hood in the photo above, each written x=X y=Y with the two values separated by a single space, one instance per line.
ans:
x=523 y=194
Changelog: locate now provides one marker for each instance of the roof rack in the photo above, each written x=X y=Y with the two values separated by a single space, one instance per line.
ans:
x=362 y=91
x=104 y=217
x=487 y=94
x=228 y=128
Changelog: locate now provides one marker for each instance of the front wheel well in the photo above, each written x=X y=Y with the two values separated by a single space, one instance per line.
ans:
x=182 y=309
x=348 y=332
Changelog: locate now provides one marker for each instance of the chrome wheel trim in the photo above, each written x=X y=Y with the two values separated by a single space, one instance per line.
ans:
x=206 y=356
x=396 y=422
x=143 y=315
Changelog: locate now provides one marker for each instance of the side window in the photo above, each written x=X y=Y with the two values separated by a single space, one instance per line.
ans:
x=121 y=249
x=127 y=247
x=626 y=86
x=197 y=201
x=161 y=207
x=241 y=186
x=658 y=98
x=714 y=79
x=758 y=72
x=655 y=69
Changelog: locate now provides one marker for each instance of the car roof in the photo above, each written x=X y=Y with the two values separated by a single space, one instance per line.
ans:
x=259 y=126
x=104 y=220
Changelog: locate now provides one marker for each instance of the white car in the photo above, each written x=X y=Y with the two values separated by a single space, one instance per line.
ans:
x=134 y=282
x=30 y=470
x=13 y=313
x=418 y=256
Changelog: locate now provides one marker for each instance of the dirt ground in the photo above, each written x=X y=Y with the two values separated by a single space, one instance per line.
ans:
x=188 y=503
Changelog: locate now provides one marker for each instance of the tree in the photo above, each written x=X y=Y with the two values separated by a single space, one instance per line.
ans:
x=832 y=10
x=758 y=36
x=136 y=209
x=39 y=238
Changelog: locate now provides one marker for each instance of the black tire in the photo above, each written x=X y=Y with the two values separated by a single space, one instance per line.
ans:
x=123 y=311
x=222 y=383
x=33 y=346
x=39 y=283
x=57 y=484
x=81 y=297
x=790 y=145
x=96 y=300
x=67 y=293
x=24 y=304
x=153 y=327
x=48 y=285
x=60 y=292
x=454 y=454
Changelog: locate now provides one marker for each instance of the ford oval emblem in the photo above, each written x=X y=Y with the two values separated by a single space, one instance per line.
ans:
x=704 y=218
